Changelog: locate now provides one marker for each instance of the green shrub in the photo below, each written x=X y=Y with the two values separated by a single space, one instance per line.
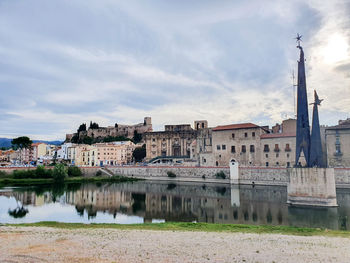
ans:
x=4 y=175
x=220 y=175
x=59 y=173
x=23 y=174
x=171 y=174
x=99 y=173
x=41 y=172
x=74 y=171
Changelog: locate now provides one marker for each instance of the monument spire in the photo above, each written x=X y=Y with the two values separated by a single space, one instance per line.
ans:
x=303 y=127
x=316 y=156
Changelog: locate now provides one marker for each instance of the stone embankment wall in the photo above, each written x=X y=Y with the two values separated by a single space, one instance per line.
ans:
x=189 y=174
x=247 y=175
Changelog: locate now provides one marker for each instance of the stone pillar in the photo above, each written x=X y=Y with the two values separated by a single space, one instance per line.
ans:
x=311 y=187
x=234 y=172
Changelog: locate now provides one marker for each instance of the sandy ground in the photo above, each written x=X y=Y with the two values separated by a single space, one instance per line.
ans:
x=41 y=244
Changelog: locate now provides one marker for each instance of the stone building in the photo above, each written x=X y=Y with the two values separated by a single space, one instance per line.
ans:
x=278 y=148
x=237 y=141
x=173 y=143
x=338 y=144
x=114 y=131
x=203 y=151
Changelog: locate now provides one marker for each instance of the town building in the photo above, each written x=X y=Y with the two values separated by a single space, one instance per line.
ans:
x=33 y=153
x=278 y=147
x=338 y=144
x=240 y=142
x=171 y=145
x=116 y=153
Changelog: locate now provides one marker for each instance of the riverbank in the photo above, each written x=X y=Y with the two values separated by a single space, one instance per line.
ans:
x=105 y=243
x=47 y=181
x=201 y=227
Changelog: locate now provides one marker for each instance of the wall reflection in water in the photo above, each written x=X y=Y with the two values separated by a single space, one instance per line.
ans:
x=190 y=202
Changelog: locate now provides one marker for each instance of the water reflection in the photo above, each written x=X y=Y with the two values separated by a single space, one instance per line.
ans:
x=177 y=202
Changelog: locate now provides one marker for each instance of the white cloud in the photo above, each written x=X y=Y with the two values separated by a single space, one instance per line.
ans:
x=113 y=62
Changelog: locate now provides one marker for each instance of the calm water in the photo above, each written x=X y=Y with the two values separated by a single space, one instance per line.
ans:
x=159 y=202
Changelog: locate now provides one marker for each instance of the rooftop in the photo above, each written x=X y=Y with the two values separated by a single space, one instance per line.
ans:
x=236 y=126
x=278 y=135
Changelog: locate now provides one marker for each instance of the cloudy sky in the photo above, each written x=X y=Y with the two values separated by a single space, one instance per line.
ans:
x=64 y=62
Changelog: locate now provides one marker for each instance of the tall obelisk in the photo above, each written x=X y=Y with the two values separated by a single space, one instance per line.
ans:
x=303 y=127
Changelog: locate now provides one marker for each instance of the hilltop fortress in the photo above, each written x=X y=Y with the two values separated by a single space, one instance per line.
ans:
x=117 y=130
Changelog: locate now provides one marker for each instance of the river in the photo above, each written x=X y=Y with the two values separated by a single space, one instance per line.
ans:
x=146 y=201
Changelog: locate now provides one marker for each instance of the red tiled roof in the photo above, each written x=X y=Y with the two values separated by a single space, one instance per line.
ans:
x=277 y=135
x=236 y=126
x=37 y=143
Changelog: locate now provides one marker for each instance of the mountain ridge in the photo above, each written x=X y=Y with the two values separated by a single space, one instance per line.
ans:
x=6 y=142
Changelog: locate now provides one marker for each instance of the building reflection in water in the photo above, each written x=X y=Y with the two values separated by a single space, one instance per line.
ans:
x=259 y=205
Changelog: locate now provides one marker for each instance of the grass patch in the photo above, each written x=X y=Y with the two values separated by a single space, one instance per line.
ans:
x=203 y=227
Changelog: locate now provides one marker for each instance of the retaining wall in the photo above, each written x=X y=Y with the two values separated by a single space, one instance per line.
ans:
x=247 y=175
x=183 y=173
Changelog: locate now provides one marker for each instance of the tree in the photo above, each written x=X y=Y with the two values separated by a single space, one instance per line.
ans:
x=82 y=127
x=59 y=173
x=22 y=142
x=137 y=137
x=88 y=140
x=74 y=171
x=93 y=125
x=139 y=153
x=18 y=212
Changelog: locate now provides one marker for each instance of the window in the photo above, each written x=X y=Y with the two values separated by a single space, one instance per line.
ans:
x=233 y=149
x=224 y=147
x=267 y=164
x=244 y=149
x=217 y=163
x=246 y=134
x=277 y=163
x=288 y=164
x=277 y=149
x=233 y=135
x=252 y=148
x=277 y=155
x=253 y=134
x=266 y=148
x=288 y=149
x=287 y=155
x=153 y=140
x=266 y=155
x=218 y=147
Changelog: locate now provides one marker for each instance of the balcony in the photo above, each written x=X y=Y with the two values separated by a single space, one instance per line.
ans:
x=276 y=150
x=288 y=150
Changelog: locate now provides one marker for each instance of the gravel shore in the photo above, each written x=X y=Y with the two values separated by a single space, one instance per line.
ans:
x=43 y=244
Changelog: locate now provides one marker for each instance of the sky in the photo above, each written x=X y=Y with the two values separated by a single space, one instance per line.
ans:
x=65 y=62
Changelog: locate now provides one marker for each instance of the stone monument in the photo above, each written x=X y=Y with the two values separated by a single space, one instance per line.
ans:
x=314 y=184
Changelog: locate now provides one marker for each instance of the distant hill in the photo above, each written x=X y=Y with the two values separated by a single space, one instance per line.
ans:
x=5 y=142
